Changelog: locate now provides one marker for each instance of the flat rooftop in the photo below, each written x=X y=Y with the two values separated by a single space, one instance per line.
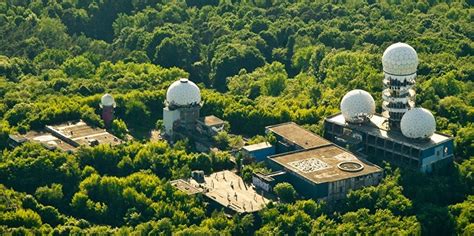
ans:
x=82 y=133
x=48 y=140
x=227 y=189
x=257 y=146
x=68 y=136
x=211 y=120
x=298 y=135
x=378 y=127
x=325 y=164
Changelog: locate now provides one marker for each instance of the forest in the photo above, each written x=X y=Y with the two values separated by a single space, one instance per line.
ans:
x=258 y=63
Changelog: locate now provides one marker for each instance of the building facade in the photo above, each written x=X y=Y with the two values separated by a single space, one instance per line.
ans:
x=376 y=140
x=316 y=167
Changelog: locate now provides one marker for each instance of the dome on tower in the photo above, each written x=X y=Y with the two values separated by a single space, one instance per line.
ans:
x=107 y=100
x=400 y=59
x=183 y=93
x=357 y=105
x=418 y=123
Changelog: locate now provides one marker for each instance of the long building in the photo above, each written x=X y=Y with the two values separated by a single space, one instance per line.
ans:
x=375 y=139
x=67 y=136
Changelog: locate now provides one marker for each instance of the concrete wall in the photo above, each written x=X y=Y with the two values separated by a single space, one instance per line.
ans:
x=437 y=156
x=261 y=154
x=338 y=190
x=169 y=117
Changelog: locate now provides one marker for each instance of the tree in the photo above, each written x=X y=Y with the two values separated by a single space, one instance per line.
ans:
x=285 y=192
x=119 y=128
x=50 y=195
x=230 y=59
x=463 y=216
x=136 y=112
x=79 y=67
x=222 y=140
x=26 y=218
x=178 y=51
x=387 y=195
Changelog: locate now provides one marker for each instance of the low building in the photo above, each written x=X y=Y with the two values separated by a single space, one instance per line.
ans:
x=375 y=139
x=290 y=137
x=259 y=151
x=316 y=167
x=267 y=182
x=210 y=125
x=326 y=172
x=67 y=136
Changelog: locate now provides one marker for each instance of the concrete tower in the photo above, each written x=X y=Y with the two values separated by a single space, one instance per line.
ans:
x=182 y=105
x=107 y=103
x=400 y=62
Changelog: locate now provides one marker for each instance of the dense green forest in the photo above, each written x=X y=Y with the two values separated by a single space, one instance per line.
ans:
x=258 y=62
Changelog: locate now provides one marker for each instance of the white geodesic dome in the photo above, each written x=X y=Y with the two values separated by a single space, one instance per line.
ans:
x=357 y=105
x=183 y=93
x=107 y=100
x=418 y=123
x=400 y=59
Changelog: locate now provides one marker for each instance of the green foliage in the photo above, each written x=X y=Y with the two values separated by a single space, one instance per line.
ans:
x=230 y=59
x=119 y=128
x=464 y=215
x=25 y=218
x=285 y=192
x=50 y=195
x=79 y=67
x=387 y=195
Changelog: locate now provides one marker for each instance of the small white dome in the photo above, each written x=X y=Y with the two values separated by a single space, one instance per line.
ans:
x=183 y=93
x=400 y=59
x=357 y=105
x=107 y=100
x=418 y=123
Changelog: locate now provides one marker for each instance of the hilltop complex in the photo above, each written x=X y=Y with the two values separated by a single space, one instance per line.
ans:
x=319 y=168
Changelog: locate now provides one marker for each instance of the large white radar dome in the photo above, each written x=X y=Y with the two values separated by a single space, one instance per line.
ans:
x=107 y=100
x=357 y=105
x=400 y=59
x=183 y=93
x=418 y=123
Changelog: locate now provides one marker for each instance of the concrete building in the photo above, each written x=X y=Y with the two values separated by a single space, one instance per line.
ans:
x=210 y=125
x=67 y=136
x=290 y=137
x=316 y=167
x=403 y=134
x=259 y=151
x=325 y=172
x=182 y=105
x=375 y=139
x=181 y=115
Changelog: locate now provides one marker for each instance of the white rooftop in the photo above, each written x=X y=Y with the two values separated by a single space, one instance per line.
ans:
x=257 y=146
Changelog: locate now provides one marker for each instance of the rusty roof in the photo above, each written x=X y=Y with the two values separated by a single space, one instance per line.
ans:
x=298 y=135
